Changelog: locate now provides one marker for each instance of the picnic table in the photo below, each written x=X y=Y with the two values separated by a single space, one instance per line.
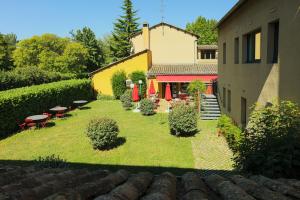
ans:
x=38 y=119
x=80 y=103
x=59 y=109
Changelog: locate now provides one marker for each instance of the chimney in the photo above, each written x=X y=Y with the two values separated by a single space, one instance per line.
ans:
x=146 y=35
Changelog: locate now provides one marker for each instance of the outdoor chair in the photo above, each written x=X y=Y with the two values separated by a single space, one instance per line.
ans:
x=22 y=126
x=29 y=123
x=60 y=115
x=48 y=114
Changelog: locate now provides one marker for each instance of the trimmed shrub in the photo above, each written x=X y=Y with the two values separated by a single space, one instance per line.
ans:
x=183 y=120
x=147 y=107
x=118 y=82
x=103 y=133
x=51 y=161
x=17 y=104
x=27 y=76
x=231 y=132
x=104 y=97
x=135 y=77
x=126 y=99
x=271 y=142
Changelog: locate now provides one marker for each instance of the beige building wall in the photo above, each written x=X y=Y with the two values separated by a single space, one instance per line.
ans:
x=168 y=45
x=260 y=82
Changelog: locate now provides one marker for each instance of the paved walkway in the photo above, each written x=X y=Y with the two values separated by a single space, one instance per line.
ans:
x=212 y=154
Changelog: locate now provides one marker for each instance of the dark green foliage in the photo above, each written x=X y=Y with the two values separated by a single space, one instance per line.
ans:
x=103 y=133
x=88 y=39
x=135 y=77
x=231 y=132
x=195 y=87
x=7 y=46
x=17 y=104
x=205 y=28
x=105 y=97
x=27 y=76
x=126 y=99
x=183 y=120
x=118 y=82
x=271 y=142
x=147 y=107
x=124 y=28
x=51 y=161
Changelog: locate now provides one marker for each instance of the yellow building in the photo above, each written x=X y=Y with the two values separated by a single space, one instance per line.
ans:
x=167 y=54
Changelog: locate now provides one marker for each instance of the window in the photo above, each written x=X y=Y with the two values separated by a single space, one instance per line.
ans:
x=224 y=53
x=224 y=97
x=208 y=54
x=229 y=100
x=273 y=40
x=236 y=50
x=243 y=112
x=252 y=49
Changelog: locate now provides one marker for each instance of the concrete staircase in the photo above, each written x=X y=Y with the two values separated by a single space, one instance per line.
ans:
x=210 y=109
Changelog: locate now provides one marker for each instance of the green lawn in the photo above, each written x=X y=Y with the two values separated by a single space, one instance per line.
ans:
x=148 y=142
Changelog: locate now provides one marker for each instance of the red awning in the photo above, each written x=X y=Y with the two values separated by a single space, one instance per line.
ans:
x=186 y=78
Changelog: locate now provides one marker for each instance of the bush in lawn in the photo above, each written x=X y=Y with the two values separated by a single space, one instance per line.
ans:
x=147 y=107
x=118 y=82
x=27 y=76
x=126 y=99
x=231 y=132
x=17 y=104
x=51 y=161
x=183 y=120
x=139 y=75
x=271 y=142
x=103 y=133
x=105 y=97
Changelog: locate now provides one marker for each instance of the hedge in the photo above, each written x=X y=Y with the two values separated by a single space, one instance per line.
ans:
x=17 y=104
x=27 y=76
x=231 y=132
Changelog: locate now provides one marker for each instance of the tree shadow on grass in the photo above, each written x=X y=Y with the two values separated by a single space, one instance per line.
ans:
x=119 y=142
x=185 y=135
x=131 y=168
x=84 y=108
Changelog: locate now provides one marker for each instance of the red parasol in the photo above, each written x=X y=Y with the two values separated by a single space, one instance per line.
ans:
x=151 y=89
x=168 y=96
x=135 y=93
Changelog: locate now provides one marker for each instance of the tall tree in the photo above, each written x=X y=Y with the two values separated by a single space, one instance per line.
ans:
x=51 y=52
x=205 y=28
x=104 y=44
x=124 y=28
x=7 y=46
x=95 y=54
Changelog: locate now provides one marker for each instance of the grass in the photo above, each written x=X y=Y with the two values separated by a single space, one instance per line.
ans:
x=148 y=146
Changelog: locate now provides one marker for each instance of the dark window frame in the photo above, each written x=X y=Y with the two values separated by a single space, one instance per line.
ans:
x=236 y=50
x=224 y=97
x=250 y=47
x=224 y=53
x=228 y=100
x=273 y=41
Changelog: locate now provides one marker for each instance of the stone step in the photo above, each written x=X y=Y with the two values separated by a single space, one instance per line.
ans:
x=209 y=96
x=211 y=112
x=211 y=115
x=209 y=108
x=210 y=100
x=210 y=103
x=209 y=118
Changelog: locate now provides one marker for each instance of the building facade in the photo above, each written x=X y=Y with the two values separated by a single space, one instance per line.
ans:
x=172 y=57
x=259 y=62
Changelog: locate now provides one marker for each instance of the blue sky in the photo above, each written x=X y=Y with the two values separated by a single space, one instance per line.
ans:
x=34 y=17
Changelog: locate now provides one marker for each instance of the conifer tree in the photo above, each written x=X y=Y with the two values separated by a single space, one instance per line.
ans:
x=124 y=28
